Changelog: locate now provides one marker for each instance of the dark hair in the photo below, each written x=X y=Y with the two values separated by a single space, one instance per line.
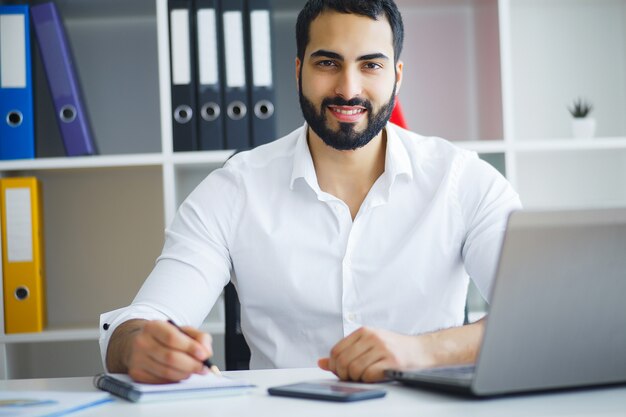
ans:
x=370 y=8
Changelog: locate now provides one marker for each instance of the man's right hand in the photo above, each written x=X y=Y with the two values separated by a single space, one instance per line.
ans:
x=157 y=352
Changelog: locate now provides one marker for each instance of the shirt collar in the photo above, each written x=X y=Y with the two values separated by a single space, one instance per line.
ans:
x=303 y=162
x=397 y=161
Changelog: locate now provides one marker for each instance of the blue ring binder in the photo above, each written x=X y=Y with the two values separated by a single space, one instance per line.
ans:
x=17 y=128
x=15 y=118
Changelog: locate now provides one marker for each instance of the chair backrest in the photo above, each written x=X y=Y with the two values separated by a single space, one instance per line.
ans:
x=236 y=347
x=237 y=350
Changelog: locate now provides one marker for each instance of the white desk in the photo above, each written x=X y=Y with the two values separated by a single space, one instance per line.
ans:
x=400 y=401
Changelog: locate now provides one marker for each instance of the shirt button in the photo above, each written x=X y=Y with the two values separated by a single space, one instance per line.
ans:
x=351 y=317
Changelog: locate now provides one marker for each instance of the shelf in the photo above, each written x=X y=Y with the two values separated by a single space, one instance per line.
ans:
x=201 y=157
x=82 y=162
x=115 y=161
x=115 y=53
x=544 y=145
x=85 y=333
x=182 y=159
x=570 y=144
x=483 y=146
x=52 y=335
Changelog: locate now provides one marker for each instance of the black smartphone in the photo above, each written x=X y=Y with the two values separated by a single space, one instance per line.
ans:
x=326 y=391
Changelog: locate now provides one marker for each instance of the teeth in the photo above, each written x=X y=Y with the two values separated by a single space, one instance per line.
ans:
x=348 y=112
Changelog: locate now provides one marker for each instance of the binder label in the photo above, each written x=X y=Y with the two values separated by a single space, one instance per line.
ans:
x=207 y=47
x=233 y=48
x=181 y=53
x=19 y=225
x=261 y=48
x=12 y=51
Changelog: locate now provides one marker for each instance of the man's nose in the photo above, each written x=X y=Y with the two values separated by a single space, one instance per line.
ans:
x=349 y=84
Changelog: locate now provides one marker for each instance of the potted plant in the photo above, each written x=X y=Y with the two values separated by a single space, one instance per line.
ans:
x=583 y=126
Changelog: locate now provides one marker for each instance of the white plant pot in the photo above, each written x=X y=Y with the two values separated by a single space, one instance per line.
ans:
x=583 y=128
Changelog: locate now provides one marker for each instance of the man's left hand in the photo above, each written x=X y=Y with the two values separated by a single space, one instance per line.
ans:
x=366 y=353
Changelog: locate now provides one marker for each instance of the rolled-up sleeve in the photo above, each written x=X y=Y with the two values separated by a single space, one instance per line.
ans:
x=486 y=200
x=194 y=265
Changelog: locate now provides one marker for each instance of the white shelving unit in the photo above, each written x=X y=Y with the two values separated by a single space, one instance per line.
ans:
x=493 y=76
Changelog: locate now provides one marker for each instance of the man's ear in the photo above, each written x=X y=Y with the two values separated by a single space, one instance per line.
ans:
x=298 y=65
x=399 y=67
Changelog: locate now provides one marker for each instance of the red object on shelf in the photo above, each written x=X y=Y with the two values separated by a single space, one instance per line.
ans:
x=397 y=116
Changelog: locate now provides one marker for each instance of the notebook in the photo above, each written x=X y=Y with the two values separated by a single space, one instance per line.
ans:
x=196 y=386
x=557 y=318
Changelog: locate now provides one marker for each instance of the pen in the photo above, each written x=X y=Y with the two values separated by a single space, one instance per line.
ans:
x=207 y=362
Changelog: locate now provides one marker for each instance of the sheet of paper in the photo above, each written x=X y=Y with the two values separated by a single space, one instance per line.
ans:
x=46 y=403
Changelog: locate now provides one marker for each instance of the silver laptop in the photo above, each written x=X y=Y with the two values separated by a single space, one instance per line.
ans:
x=557 y=318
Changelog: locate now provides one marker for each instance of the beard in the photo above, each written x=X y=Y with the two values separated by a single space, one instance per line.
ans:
x=346 y=138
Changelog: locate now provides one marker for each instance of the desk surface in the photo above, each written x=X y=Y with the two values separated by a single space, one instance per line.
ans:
x=400 y=401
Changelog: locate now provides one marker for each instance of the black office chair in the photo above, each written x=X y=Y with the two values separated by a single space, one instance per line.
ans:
x=237 y=350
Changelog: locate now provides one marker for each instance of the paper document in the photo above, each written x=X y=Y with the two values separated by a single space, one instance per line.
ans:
x=48 y=403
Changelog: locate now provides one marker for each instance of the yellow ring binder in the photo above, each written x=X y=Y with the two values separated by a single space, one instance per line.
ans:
x=22 y=255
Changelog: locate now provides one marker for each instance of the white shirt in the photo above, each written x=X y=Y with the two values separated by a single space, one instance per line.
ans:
x=307 y=275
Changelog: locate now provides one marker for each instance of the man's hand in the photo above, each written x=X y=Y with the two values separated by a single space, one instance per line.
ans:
x=157 y=352
x=366 y=353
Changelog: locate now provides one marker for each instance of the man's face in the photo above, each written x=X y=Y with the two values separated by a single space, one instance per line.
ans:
x=347 y=80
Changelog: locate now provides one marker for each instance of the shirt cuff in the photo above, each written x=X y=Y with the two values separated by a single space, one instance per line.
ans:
x=110 y=320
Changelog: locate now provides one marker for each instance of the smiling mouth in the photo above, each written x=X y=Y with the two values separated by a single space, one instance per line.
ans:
x=347 y=113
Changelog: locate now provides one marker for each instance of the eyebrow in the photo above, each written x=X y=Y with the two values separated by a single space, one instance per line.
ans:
x=335 y=55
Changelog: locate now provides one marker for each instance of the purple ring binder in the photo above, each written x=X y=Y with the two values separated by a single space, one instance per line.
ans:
x=62 y=80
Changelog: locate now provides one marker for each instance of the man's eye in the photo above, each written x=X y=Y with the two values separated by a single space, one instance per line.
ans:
x=372 y=66
x=326 y=63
